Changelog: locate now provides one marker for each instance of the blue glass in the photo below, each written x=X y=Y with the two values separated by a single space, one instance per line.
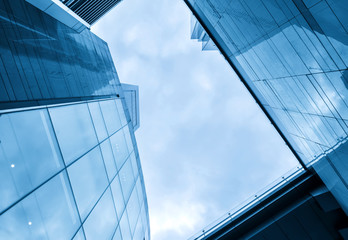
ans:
x=117 y=235
x=118 y=196
x=140 y=191
x=79 y=235
x=28 y=153
x=103 y=216
x=139 y=231
x=74 y=129
x=126 y=131
x=57 y=208
x=133 y=210
x=119 y=148
x=98 y=120
x=134 y=163
x=144 y=218
x=127 y=179
x=124 y=226
x=88 y=180
x=45 y=59
x=48 y=213
x=108 y=157
x=23 y=221
x=121 y=112
x=111 y=117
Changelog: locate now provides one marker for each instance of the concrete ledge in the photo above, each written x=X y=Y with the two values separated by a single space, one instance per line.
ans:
x=62 y=13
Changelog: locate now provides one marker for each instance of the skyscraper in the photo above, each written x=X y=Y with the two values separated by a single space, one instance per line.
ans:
x=292 y=57
x=69 y=165
x=77 y=14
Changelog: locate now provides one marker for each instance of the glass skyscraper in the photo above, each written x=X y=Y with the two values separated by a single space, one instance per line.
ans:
x=292 y=55
x=69 y=165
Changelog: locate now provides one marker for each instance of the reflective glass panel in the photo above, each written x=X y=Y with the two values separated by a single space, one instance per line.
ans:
x=119 y=148
x=118 y=196
x=28 y=153
x=88 y=180
x=103 y=216
x=117 y=235
x=48 y=213
x=124 y=225
x=133 y=209
x=121 y=112
x=98 y=120
x=127 y=136
x=127 y=179
x=111 y=117
x=108 y=158
x=79 y=235
x=74 y=130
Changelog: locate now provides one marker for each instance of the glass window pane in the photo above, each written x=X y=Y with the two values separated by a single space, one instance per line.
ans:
x=134 y=164
x=79 y=235
x=127 y=136
x=98 y=120
x=103 y=216
x=140 y=192
x=117 y=235
x=110 y=115
x=139 y=232
x=108 y=158
x=133 y=210
x=118 y=196
x=57 y=208
x=24 y=163
x=124 y=225
x=23 y=221
x=74 y=130
x=126 y=179
x=88 y=180
x=48 y=213
x=119 y=148
x=121 y=112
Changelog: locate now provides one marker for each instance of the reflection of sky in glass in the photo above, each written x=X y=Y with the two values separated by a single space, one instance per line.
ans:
x=102 y=221
x=88 y=180
x=58 y=199
x=26 y=163
x=74 y=129
x=47 y=213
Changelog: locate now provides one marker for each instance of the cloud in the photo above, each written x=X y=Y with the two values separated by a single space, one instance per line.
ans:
x=204 y=144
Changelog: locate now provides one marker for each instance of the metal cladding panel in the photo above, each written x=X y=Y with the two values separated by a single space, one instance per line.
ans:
x=90 y=11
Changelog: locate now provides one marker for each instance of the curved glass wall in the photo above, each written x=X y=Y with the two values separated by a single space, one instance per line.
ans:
x=71 y=171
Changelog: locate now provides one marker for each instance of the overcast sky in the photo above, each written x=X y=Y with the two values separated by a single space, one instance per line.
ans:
x=204 y=144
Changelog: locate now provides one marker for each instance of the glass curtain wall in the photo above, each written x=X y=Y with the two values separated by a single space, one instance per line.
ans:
x=43 y=59
x=70 y=172
x=293 y=55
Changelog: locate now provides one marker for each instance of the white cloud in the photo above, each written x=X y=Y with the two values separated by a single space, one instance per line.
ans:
x=201 y=131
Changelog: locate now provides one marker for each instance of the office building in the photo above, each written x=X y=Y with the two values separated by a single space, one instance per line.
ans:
x=90 y=11
x=77 y=14
x=292 y=55
x=69 y=165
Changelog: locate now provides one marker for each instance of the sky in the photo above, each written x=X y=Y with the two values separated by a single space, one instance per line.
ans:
x=204 y=144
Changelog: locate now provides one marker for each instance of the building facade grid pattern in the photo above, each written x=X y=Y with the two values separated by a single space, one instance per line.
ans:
x=105 y=172
x=293 y=55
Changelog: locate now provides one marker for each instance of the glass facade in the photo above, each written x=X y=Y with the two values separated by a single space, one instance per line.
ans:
x=69 y=164
x=293 y=57
x=44 y=60
x=59 y=180
x=90 y=11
